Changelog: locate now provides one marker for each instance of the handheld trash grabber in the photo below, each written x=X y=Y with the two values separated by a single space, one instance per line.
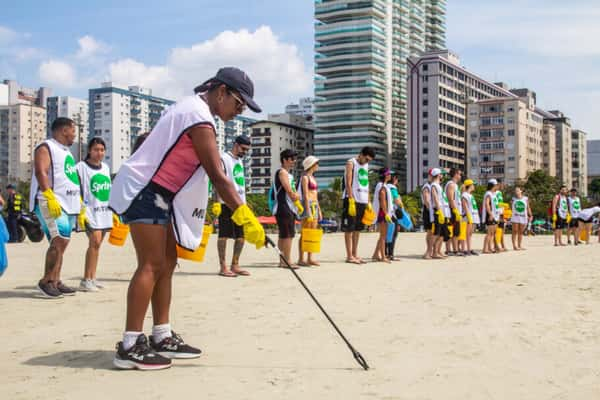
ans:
x=357 y=356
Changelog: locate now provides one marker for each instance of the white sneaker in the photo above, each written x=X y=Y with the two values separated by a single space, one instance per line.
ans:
x=99 y=285
x=87 y=285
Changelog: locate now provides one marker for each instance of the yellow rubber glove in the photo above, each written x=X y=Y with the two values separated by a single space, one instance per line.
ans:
x=369 y=207
x=216 y=209
x=569 y=218
x=440 y=217
x=53 y=204
x=299 y=207
x=352 y=207
x=469 y=218
x=253 y=230
x=116 y=220
x=554 y=218
x=456 y=214
x=82 y=219
x=388 y=219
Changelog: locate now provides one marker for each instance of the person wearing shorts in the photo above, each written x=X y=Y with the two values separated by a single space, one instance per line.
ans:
x=574 y=203
x=309 y=196
x=560 y=210
x=234 y=168
x=55 y=199
x=355 y=199
x=436 y=214
x=586 y=221
x=490 y=216
x=454 y=197
x=425 y=215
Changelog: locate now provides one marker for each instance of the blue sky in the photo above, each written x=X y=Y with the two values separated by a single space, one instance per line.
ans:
x=171 y=46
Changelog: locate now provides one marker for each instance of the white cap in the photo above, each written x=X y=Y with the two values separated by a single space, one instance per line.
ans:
x=493 y=181
x=309 y=162
x=435 y=172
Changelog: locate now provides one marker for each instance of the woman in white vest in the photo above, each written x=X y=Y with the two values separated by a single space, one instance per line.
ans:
x=54 y=196
x=383 y=206
x=94 y=178
x=560 y=212
x=574 y=203
x=521 y=216
x=489 y=216
x=161 y=191
x=470 y=214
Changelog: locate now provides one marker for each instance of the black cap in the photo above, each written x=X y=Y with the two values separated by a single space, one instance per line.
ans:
x=242 y=139
x=10 y=186
x=236 y=79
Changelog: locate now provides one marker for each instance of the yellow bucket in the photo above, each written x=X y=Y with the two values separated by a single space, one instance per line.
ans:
x=583 y=236
x=311 y=240
x=463 y=231
x=499 y=234
x=368 y=217
x=118 y=234
x=198 y=254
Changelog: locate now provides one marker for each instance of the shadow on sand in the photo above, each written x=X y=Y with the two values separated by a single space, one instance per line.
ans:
x=99 y=359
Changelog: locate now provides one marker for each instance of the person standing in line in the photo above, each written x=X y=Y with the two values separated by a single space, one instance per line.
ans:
x=383 y=207
x=427 y=221
x=287 y=205
x=436 y=214
x=95 y=184
x=499 y=204
x=490 y=216
x=398 y=208
x=161 y=192
x=574 y=203
x=234 y=169
x=586 y=221
x=55 y=199
x=14 y=207
x=560 y=211
x=521 y=216
x=355 y=197
x=470 y=215
x=309 y=197
x=453 y=197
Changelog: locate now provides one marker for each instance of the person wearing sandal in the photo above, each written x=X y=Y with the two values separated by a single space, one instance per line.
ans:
x=308 y=192
x=384 y=209
x=470 y=213
x=490 y=216
x=234 y=169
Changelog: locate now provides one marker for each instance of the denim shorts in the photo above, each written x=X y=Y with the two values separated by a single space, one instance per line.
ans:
x=149 y=207
x=54 y=227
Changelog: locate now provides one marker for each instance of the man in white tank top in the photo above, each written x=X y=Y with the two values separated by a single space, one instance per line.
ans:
x=560 y=210
x=55 y=198
x=234 y=169
x=355 y=200
x=574 y=203
x=455 y=204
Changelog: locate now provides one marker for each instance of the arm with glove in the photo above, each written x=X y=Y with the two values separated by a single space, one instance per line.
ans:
x=42 y=164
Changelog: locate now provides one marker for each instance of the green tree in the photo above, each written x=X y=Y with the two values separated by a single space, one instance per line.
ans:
x=540 y=188
x=594 y=187
x=258 y=203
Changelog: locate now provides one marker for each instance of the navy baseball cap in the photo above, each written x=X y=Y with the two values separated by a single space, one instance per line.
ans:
x=236 y=79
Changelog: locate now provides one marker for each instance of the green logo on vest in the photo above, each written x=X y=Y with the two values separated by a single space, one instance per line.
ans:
x=238 y=175
x=499 y=197
x=70 y=170
x=444 y=197
x=474 y=203
x=520 y=206
x=100 y=187
x=363 y=177
x=576 y=205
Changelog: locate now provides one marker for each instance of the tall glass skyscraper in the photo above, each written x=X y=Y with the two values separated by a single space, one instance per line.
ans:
x=361 y=48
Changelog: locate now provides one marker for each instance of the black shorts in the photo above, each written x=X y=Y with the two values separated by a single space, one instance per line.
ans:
x=227 y=228
x=353 y=224
x=586 y=221
x=490 y=221
x=561 y=223
x=455 y=224
x=574 y=223
x=501 y=225
x=441 y=230
x=286 y=222
x=427 y=224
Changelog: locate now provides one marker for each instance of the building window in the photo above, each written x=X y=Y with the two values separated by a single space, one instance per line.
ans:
x=424 y=90
x=425 y=114
x=425 y=127
x=425 y=67
x=511 y=132
x=425 y=102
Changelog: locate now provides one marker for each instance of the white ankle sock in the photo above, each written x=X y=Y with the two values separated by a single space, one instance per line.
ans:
x=129 y=339
x=160 y=332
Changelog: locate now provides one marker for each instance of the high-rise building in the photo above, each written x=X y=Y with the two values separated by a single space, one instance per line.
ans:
x=360 y=84
x=77 y=110
x=120 y=115
x=504 y=139
x=579 y=159
x=304 y=107
x=269 y=139
x=226 y=134
x=439 y=89
x=22 y=127
x=593 y=160
x=11 y=92
x=549 y=136
x=564 y=159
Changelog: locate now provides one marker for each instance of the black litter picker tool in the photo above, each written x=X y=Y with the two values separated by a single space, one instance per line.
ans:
x=357 y=356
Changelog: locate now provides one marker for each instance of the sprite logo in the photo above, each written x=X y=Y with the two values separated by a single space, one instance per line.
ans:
x=474 y=203
x=444 y=196
x=70 y=170
x=100 y=187
x=499 y=197
x=563 y=205
x=293 y=184
x=238 y=174
x=576 y=205
x=363 y=177
x=520 y=206
x=210 y=186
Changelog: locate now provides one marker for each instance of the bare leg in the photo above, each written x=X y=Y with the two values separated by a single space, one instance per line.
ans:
x=161 y=296
x=238 y=246
x=514 y=236
x=53 y=261
x=92 y=253
x=222 y=250
x=348 y=242
x=355 y=237
x=285 y=245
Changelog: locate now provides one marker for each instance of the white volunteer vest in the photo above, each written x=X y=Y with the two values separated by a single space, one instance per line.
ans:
x=440 y=196
x=189 y=203
x=495 y=215
x=360 y=182
x=388 y=194
x=472 y=207
x=562 y=207
x=95 y=191
x=234 y=169
x=519 y=210
x=457 y=197
x=62 y=178
x=426 y=186
x=574 y=206
x=498 y=198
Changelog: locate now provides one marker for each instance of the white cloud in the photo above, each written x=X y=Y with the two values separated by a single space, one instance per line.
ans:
x=57 y=74
x=129 y=72
x=90 y=47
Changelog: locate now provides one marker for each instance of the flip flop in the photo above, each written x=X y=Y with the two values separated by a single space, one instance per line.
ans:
x=348 y=261
x=228 y=274
x=241 y=272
